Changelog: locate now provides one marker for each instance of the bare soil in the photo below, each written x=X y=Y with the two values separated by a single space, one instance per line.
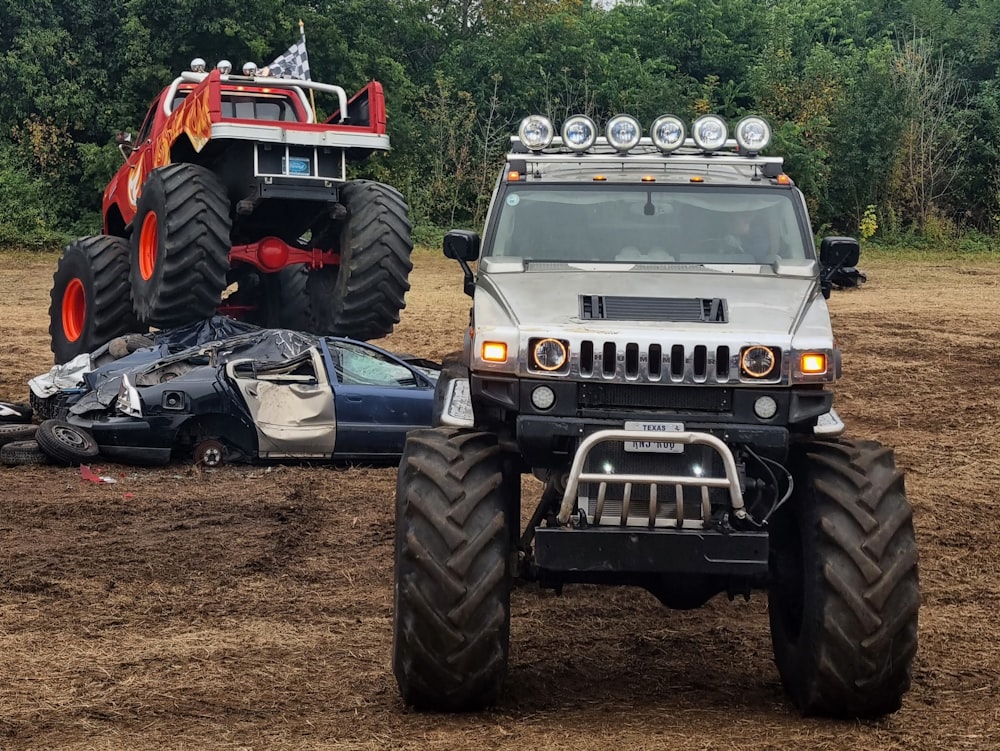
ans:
x=250 y=607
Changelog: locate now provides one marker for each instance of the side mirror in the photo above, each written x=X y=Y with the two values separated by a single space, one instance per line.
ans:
x=836 y=253
x=461 y=245
x=124 y=141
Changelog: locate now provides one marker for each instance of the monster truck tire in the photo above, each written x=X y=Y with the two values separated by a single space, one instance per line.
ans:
x=375 y=263
x=20 y=453
x=304 y=297
x=180 y=246
x=451 y=621
x=66 y=443
x=844 y=595
x=90 y=296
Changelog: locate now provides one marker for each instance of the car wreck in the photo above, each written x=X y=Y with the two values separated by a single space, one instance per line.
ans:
x=222 y=391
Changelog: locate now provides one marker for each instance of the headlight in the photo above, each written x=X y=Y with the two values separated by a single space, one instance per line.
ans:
x=536 y=132
x=667 y=133
x=709 y=132
x=623 y=132
x=758 y=361
x=753 y=134
x=579 y=133
x=548 y=354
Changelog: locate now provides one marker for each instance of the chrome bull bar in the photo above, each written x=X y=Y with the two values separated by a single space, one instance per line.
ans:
x=576 y=475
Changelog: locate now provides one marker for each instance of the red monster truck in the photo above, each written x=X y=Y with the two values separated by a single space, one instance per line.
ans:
x=233 y=199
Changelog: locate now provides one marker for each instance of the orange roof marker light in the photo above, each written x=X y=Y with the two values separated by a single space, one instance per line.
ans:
x=513 y=176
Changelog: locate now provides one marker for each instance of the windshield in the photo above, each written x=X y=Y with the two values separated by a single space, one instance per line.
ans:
x=640 y=224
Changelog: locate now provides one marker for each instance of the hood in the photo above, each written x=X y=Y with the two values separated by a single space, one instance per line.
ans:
x=755 y=302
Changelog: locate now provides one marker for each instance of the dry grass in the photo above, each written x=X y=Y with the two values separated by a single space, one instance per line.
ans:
x=248 y=607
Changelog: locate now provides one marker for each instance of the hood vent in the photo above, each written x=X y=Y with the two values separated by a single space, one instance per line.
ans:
x=672 y=309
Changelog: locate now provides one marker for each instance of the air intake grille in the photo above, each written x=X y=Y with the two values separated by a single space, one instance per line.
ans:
x=680 y=398
x=669 y=309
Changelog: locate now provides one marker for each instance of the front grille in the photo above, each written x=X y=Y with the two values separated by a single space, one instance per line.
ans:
x=656 y=362
x=678 y=398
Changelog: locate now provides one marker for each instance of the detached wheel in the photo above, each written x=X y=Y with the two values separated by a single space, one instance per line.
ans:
x=375 y=264
x=180 y=246
x=90 y=296
x=66 y=443
x=304 y=296
x=12 y=432
x=451 y=620
x=844 y=596
x=19 y=453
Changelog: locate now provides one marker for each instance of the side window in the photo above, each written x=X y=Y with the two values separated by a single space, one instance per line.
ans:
x=147 y=124
x=359 y=366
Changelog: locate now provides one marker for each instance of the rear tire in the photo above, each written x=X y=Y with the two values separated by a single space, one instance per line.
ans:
x=844 y=596
x=375 y=264
x=180 y=246
x=90 y=296
x=66 y=443
x=14 y=432
x=21 y=453
x=304 y=297
x=451 y=620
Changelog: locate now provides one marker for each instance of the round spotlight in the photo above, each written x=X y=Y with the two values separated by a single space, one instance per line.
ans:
x=709 y=132
x=667 y=133
x=249 y=69
x=753 y=134
x=549 y=354
x=198 y=65
x=536 y=132
x=765 y=407
x=623 y=132
x=579 y=133
x=225 y=67
x=543 y=397
x=758 y=361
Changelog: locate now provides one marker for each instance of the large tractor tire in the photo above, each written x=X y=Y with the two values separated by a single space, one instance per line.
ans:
x=451 y=620
x=180 y=246
x=375 y=263
x=304 y=297
x=90 y=296
x=844 y=596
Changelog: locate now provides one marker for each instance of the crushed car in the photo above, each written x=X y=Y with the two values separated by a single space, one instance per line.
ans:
x=220 y=391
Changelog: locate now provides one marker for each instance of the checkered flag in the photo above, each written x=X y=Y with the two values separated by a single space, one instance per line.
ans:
x=294 y=63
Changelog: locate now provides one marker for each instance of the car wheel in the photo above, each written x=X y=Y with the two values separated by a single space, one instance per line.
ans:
x=844 y=594
x=210 y=453
x=180 y=246
x=451 y=616
x=10 y=432
x=90 y=299
x=20 y=453
x=17 y=412
x=66 y=443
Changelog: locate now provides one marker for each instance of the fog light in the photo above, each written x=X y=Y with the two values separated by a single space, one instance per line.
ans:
x=765 y=407
x=543 y=397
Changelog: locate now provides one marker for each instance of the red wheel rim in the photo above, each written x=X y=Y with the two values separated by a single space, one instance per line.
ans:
x=149 y=241
x=74 y=310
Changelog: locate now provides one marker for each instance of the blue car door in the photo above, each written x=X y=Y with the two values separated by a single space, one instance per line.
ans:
x=378 y=399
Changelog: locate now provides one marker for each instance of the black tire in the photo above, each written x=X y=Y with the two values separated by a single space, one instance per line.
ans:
x=304 y=297
x=12 y=432
x=90 y=296
x=180 y=246
x=375 y=264
x=22 y=452
x=844 y=595
x=16 y=412
x=66 y=443
x=451 y=621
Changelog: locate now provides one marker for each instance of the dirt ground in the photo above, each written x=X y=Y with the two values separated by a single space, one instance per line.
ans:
x=250 y=607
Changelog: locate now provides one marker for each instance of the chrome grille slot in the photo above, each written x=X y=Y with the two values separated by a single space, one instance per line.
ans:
x=655 y=362
x=700 y=362
x=631 y=360
x=722 y=363
x=608 y=359
x=677 y=362
x=587 y=358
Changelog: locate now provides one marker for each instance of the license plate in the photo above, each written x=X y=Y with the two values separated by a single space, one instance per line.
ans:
x=297 y=166
x=650 y=429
